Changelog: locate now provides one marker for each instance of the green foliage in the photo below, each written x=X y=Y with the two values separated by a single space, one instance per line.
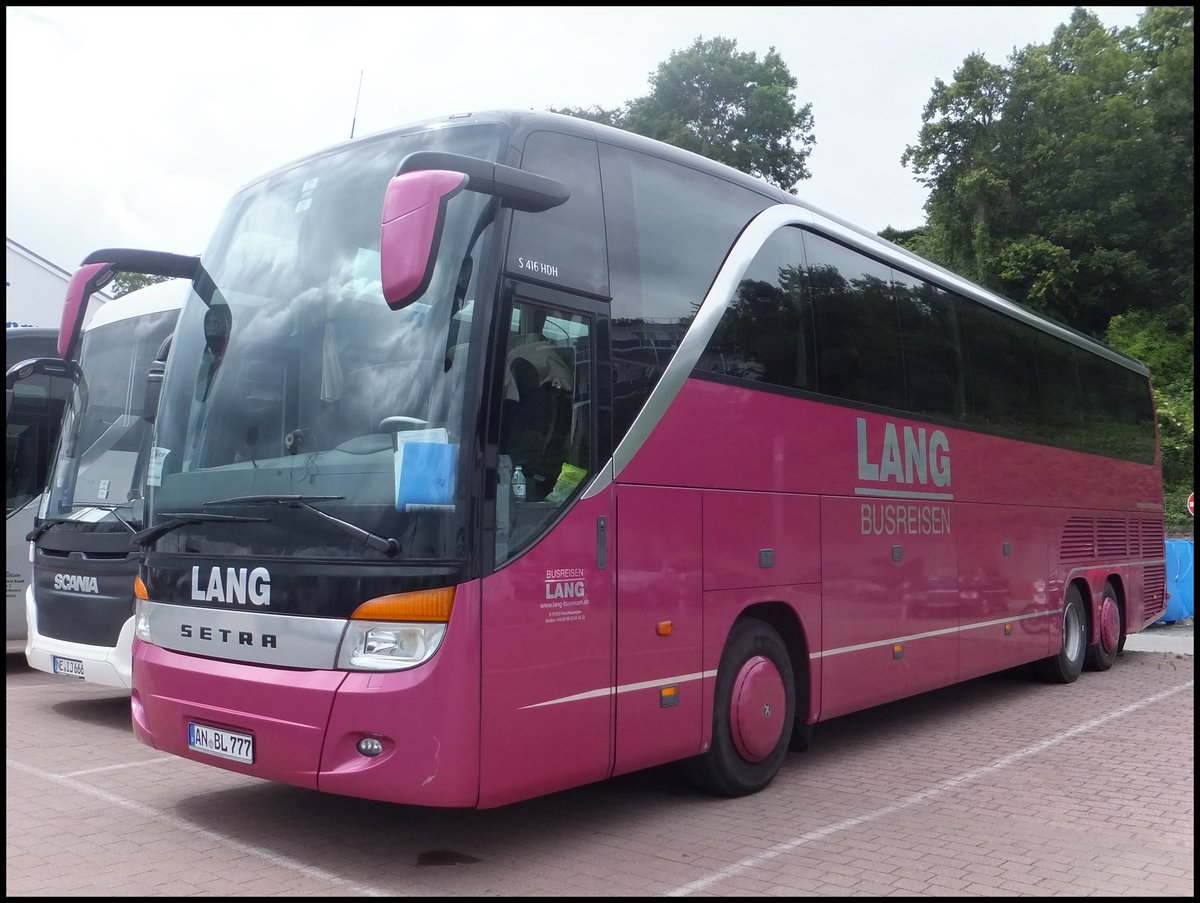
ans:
x=729 y=106
x=124 y=283
x=1065 y=180
x=1165 y=342
x=592 y=114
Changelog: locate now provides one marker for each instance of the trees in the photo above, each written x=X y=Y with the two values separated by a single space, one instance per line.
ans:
x=1065 y=180
x=728 y=106
x=124 y=283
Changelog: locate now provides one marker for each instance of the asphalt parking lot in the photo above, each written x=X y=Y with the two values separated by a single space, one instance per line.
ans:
x=1002 y=786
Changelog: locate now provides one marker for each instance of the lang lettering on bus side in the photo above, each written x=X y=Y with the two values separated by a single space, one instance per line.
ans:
x=915 y=459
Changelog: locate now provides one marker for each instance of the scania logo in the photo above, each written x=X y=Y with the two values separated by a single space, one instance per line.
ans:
x=238 y=586
x=76 y=584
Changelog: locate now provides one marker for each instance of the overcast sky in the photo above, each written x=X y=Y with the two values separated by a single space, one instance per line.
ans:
x=131 y=127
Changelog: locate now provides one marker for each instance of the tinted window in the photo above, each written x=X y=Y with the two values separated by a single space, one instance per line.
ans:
x=1062 y=412
x=933 y=358
x=669 y=228
x=765 y=334
x=563 y=246
x=857 y=328
x=1004 y=388
x=1133 y=412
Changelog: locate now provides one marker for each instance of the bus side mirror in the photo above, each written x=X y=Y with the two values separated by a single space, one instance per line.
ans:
x=154 y=381
x=89 y=278
x=38 y=366
x=414 y=211
x=98 y=269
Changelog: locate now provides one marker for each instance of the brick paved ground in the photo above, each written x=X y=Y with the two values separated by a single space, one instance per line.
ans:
x=999 y=787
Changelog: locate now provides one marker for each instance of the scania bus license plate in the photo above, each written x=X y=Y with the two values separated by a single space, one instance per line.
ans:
x=71 y=667
x=216 y=742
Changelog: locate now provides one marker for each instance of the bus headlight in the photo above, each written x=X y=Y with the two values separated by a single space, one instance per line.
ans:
x=394 y=632
x=141 y=620
x=384 y=646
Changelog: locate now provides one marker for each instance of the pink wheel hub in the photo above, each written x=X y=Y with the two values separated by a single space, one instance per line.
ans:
x=757 y=709
x=1110 y=624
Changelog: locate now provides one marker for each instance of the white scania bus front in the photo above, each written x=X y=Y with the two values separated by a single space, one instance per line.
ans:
x=79 y=604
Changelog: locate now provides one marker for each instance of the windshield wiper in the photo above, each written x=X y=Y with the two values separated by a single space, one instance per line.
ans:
x=49 y=522
x=143 y=538
x=45 y=525
x=384 y=544
x=112 y=509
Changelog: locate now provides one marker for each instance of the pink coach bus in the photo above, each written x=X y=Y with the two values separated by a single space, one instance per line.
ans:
x=505 y=453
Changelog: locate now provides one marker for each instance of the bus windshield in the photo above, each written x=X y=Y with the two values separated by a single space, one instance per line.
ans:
x=99 y=461
x=294 y=392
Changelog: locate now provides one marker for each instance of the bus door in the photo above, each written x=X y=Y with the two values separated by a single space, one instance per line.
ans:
x=547 y=613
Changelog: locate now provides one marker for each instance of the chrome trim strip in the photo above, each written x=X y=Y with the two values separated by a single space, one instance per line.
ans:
x=625 y=688
x=245 y=636
x=962 y=628
x=748 y=244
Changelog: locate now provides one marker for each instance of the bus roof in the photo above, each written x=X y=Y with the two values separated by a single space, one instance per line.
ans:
x=532 y=120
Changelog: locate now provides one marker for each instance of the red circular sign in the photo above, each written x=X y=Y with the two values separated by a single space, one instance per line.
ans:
x=1192 y=504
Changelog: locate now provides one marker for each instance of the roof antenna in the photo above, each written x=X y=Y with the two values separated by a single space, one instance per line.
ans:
x=354 y=119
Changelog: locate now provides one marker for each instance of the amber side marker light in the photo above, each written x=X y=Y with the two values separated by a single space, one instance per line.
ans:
x=139 y=590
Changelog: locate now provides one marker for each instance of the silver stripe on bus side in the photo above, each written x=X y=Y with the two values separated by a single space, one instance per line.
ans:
x=626 y=688
x=964 y=628
x=687 y=355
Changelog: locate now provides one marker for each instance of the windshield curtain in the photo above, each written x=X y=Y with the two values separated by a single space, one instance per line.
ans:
x=99 y=463
x=290 y=376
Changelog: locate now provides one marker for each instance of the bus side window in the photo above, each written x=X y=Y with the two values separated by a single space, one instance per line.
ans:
x=546 y=416
x=857 y=325
x=766 y=333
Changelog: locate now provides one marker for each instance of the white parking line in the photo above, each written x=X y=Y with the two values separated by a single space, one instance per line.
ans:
x=908 y=802
x=77 y=774
x=348 y=887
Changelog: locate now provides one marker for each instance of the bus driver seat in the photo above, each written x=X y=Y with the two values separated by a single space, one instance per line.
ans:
x=537 y=417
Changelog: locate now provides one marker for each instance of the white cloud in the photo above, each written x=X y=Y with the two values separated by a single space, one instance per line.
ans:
x=133 y=126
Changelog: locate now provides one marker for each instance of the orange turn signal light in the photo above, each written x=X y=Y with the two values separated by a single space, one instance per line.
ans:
x=428 y=605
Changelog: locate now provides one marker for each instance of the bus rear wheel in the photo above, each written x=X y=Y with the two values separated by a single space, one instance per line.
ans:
x=1065 y=666
x=1109 y=642
x=754 y=706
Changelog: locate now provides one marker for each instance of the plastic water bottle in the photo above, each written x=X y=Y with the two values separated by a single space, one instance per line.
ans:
x=518 y=483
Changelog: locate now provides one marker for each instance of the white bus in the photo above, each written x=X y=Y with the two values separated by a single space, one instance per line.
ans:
x=79 y=604
x=35 y=415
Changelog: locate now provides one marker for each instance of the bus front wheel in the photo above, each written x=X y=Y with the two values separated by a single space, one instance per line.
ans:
x=754 y=706
x=1110 y=639
x=1065 y=666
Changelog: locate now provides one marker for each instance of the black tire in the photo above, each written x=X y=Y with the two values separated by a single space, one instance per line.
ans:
x=1065 y=666
x=1110 y=634
x=750 y=733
